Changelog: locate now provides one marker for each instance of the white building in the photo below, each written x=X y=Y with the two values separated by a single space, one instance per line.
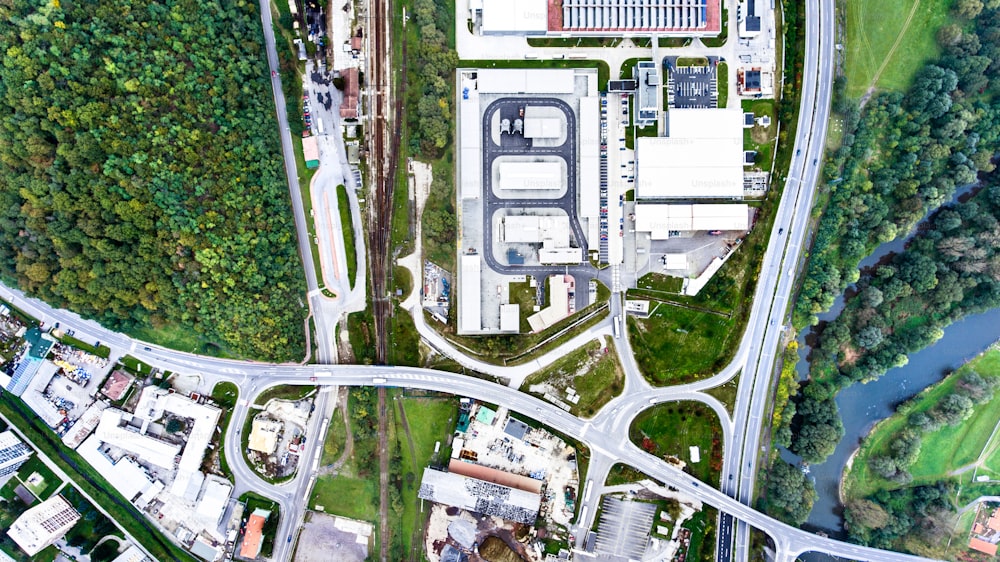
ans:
x=111 y=430
x=659 y=219
x=479 y=496
x=470 y=318
x=535 y=229
x=530 y=175
x=702 y=157
x=521 y=17
x=13 y=453
x=43 y=524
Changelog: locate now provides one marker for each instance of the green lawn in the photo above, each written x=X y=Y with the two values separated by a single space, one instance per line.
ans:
x=722 y=82
x=181 y=338
x=941 y=451
x=896 y=37
x=760 y=138
x=336 y=439
x=225 y=394
x=677 y=345
x=430 y=420
x=284 y=392
x=347 y=495
x=726 y=393
x=661 y=283
x=624 y=474
x=595 y=375
x=674 y=427
x=43 y=489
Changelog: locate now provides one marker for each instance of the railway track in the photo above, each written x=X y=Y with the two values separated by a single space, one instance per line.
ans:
x=386 y=110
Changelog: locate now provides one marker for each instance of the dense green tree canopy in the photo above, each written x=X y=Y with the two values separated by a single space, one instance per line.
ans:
x=140 y=172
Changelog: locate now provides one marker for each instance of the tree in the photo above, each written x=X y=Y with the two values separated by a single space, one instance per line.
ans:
x=866 y=513
x=790 y=494
x=869 y=337
x=969 y=9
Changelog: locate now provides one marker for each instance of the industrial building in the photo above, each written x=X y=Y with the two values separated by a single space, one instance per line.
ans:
x=264 y=435
x=749 y=24
x=667 y=17
x=125 y=474
x=479 y=496
x=530 y=175
x=13 y=453
x=43 y=524
x=512 y=17
x=648 y=90
x=702 y=18
x=660 y=219
x=702 y=157
x=535 y=229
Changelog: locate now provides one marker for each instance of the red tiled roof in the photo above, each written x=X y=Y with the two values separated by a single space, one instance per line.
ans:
x=979 y=544
x=116 y=385
x=252 y=536
x=349 y=106
x=495 y=476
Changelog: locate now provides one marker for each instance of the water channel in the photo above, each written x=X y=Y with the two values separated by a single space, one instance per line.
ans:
x=862 y=405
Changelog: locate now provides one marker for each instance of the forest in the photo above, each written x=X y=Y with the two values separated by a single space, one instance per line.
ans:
x=903 y=155
x=431 y=68
x=141 y=173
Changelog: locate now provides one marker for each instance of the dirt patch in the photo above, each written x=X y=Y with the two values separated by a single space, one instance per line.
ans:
x=496 y=550
x=850 y=356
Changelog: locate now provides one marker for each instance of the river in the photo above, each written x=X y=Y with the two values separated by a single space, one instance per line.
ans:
x=862 y=405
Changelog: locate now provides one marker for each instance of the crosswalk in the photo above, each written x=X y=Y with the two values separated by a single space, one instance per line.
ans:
x=616 y=279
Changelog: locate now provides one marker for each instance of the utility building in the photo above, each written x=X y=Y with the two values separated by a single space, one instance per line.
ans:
x=659 y=220
x=530 y=175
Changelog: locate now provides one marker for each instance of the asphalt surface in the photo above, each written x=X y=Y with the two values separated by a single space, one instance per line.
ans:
x=778 y=275
x=517 y=145
x=602 y=434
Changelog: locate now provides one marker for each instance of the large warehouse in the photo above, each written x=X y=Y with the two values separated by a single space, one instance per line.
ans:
x=533 y=229
x=701 y=18
x=702 y=157
x=530 y=175
x=659 y=219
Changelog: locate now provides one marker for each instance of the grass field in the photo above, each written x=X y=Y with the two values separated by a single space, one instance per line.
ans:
x=943 y=451
x=430 y=420
x=677 y=345
x=347 y=229
x=284 y=392
x=182 y=339
x=758 y=138
x=674 y=427
x=44 y=488
x=335 y=440
x=889 y=40
x=593 y=373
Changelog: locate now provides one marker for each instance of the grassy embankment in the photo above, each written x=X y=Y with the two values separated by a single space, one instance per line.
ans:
x=594 y=374
x=957 y=453
x=347 y=230
x=888 y=41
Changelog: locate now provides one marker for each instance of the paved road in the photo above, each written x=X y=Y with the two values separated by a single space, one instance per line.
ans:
x=793 y=219
x=601 y=434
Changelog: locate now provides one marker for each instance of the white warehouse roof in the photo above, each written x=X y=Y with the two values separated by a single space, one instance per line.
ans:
x=469 y=299
x=515 y=16
x=702 y=157
x=534 y=229
x=542 y=128
x=659 y=219
x=525 y=81
x=530 y=175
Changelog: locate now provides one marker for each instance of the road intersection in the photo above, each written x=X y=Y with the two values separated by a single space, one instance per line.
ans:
x=601 y=434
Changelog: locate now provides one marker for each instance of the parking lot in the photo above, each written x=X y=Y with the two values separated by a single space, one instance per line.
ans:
x=692 y=86
x=624 y=528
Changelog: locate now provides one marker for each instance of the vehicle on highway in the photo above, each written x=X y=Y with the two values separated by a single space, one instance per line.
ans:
x=781 y=230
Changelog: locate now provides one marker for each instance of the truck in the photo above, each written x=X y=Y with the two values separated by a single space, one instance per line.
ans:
x=319 y=126
x=618 y=327
x=379 y=380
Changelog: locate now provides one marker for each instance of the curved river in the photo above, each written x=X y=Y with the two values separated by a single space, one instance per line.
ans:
x=862 y=405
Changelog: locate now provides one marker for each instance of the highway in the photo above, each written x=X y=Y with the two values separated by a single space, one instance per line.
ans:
x=785 y=249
